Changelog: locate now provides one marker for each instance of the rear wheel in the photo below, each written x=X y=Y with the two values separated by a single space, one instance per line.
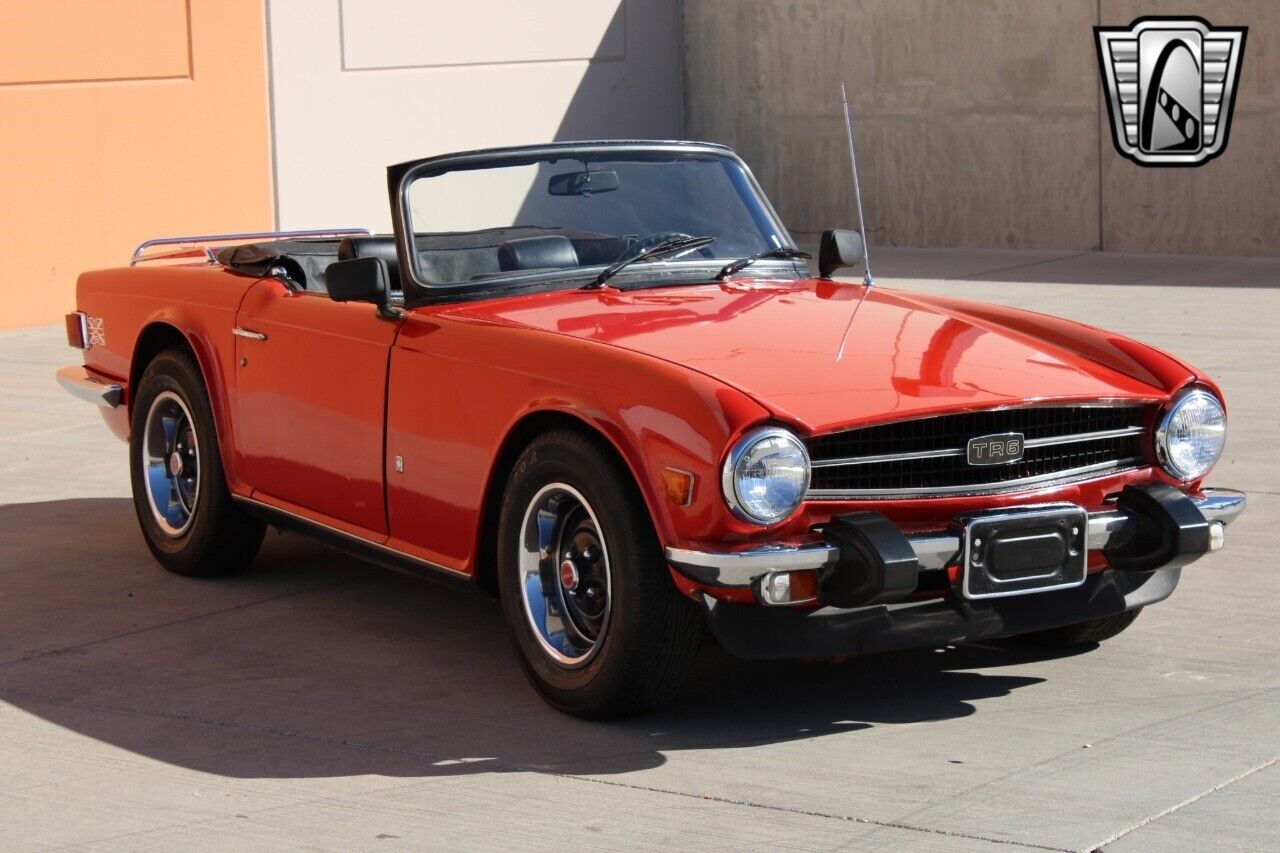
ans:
x=599 y=628
x=187 y=516
x=1085 y=633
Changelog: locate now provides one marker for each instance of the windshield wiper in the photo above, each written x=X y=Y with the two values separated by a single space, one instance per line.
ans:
x=657 y=250
x=783 y=252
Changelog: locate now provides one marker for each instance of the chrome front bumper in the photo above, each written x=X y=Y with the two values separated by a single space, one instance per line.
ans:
x=740 y=568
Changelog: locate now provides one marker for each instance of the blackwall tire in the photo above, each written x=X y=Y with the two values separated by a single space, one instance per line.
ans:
x=188 y=518
x=1084 y=633
x=598 y=626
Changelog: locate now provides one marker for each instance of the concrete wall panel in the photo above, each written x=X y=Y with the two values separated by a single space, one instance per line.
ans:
x=974 y=127
x=1230 y=205
x=979 y=123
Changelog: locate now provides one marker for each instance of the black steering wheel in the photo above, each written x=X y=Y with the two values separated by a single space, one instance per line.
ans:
x=654 y=239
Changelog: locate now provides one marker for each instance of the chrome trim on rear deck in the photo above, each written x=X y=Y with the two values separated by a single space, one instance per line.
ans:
x=210 y=252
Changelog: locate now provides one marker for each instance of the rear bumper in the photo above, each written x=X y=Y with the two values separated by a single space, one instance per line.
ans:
x=871 y=574
x=85 y=385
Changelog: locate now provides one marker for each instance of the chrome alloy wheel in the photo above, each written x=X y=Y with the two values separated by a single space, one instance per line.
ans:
x=171 y=463
x=564 y=574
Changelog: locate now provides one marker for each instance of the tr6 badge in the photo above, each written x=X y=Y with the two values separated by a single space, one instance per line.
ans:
x=1171 y=85
x=996 y=449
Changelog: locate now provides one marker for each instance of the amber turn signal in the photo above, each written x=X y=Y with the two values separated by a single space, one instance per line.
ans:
x=77 y=330
x=678 y=486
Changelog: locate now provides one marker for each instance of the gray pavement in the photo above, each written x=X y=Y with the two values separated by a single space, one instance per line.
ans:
x=320 y=703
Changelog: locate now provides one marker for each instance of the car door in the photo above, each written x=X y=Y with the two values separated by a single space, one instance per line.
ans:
x=310 y=401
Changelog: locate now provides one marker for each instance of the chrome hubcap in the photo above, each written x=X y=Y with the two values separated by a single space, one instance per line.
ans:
x=171 y=463
x=569 y=575
x=564 y=575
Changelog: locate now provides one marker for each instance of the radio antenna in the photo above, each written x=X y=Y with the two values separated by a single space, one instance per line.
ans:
x=857 y=191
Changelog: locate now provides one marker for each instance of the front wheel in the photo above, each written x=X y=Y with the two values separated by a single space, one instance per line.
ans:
x=1087 y=633
x=599 y=628
x=187 y=516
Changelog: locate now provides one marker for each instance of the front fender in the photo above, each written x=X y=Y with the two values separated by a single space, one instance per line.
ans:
x=1132 y=358
x=655 y=414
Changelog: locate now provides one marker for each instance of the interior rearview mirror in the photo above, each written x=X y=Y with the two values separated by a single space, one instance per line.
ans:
x=582 y=183
x=358 y=280
x=838 y=249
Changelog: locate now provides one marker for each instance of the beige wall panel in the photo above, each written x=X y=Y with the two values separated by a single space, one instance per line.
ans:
x=408 y=33
x=89 y=170
x=975 y=126
x=1230 y=205
x=337 y=130
x=66 y=40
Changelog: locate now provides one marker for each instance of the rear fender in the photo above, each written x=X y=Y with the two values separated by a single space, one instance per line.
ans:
x=143 y=309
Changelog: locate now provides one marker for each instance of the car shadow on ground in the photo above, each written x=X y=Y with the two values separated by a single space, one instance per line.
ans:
x=316 y=665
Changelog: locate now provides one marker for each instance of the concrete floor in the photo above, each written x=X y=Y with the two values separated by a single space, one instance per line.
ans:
x=324 y=704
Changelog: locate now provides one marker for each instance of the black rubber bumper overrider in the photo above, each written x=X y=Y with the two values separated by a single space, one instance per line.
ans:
x=1170 y=530
x=877 y=564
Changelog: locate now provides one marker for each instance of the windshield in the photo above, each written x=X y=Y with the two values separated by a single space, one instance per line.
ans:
x=571 y=215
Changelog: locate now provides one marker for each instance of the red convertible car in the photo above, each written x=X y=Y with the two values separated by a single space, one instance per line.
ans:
x=599 y=381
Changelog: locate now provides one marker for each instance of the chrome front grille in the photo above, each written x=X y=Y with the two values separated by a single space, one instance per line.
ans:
x=927 y=456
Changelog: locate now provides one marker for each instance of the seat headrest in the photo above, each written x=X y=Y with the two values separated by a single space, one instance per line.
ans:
x=533 y=253
x=377 y=246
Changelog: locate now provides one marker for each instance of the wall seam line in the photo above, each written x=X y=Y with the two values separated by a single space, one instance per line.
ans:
x=272 y=158
x=1098 y=99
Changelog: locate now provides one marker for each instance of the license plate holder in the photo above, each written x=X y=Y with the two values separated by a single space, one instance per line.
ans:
x=1024 y=550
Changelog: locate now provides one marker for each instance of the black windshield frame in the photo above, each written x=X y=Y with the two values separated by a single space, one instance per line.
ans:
x=418 y=291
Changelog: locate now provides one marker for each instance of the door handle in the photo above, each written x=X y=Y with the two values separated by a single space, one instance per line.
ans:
x=248 y=333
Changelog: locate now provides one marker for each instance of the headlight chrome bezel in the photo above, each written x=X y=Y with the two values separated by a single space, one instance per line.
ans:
x=1163 y=456
x=741 y=448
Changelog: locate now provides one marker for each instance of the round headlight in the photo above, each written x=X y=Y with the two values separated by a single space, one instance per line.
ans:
x=766 y=475
x=1190 y=437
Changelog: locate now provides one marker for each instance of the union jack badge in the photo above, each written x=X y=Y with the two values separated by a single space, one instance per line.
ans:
x=1171 y=85
x=97 y=332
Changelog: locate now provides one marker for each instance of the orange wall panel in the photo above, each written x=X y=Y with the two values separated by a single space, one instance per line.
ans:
x=92 y=164
x=64 y=40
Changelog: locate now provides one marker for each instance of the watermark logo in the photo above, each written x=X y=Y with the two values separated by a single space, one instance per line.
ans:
x=1171 y=85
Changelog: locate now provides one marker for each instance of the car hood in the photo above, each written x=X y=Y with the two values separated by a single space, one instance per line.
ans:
x=826 y=355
